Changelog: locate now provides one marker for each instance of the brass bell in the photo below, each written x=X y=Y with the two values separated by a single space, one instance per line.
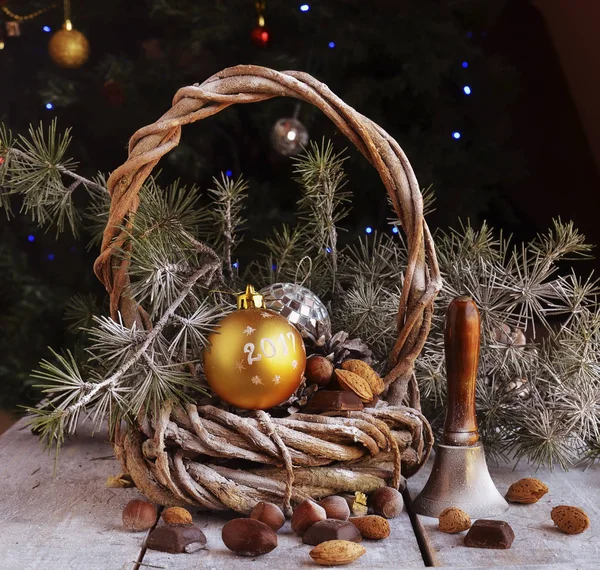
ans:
x=460 y=477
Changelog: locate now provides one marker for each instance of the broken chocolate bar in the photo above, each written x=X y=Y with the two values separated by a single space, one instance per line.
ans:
x=490 y=534
x=331 y=529
x=334 y=401
x=176 y=539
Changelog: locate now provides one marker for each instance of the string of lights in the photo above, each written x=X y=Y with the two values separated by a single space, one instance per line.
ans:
x=305 y=8
x=26 y=17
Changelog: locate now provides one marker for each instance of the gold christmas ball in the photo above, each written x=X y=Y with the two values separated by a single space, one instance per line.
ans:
x=69 y=48
x=255 y=359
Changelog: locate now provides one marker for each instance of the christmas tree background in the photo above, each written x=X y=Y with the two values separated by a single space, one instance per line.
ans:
x=473 y=93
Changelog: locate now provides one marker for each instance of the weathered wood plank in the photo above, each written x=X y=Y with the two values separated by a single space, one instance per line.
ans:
x=537 y=542
x=400 y=550
x=69 y=521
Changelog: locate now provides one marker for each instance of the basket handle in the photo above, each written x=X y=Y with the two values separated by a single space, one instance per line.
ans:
x=250 y=84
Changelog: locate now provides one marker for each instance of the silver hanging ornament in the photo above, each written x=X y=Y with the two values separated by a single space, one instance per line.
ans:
x=300 y=306
x=289 y=136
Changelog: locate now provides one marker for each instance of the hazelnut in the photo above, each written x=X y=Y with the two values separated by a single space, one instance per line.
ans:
x=386 y=502
x=268 y=513
x=248 y=537
x=305 y=515
x=318 y=371
x=139 y=515
x=336 y=507
x=176 y=516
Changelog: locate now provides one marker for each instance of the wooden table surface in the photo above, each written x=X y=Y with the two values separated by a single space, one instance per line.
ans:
x=70 y=520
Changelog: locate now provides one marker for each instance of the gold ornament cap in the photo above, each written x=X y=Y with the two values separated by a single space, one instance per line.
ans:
x=250 y=299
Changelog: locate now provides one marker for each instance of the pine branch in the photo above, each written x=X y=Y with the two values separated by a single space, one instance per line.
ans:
x=34 y=168
x=323 y=206
x=226 y=213
x=58 y=416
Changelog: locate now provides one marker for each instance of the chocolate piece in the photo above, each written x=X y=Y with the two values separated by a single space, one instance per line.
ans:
x=490 y=534
x=331 y=529
x=176 y=539
x=334 y=401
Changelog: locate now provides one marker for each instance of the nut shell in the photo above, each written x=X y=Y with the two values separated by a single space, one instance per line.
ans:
x=319 y=370
x=372 y=527
x=386 y=502
x=139 y=515
x=353 y=382
x=176 y=516
x=268 y=513
x=305 y=515
x=248 y=537
x=571 y=520
x=365 y=371
x=337 y=552
x=527 y=491
x=336 y=507
x=453 y=520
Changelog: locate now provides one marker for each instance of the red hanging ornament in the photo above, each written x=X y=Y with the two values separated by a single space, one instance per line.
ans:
x=260 y=36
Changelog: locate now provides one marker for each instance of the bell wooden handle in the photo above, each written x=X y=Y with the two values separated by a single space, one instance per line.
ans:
x=461 y=340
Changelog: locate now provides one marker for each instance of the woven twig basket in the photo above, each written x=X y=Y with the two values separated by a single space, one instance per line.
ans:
x=208 y=457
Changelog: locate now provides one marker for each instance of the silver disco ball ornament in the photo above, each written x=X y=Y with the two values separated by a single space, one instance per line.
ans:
x=300 y=306
x=289 y=136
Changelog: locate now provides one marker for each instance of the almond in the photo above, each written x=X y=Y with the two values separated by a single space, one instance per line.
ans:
x=527 y=491
x=367 y=373
x=337 y=552
x=353 y=382
x=571 y=520
x=176 y=516
x=453 y=520
x=373 y=527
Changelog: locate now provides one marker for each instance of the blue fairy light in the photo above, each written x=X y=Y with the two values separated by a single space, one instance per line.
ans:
x=331 y=44
x=30 y=238
x=467 y=90
x=51 y=256
x=395 y=230
x=47 y=29
x=465 y=64
x=229 y=173
x=304 y=8
x=369 y=230
x=49 y=106
x=235 y=264
x=328 y=249
x=456 y=135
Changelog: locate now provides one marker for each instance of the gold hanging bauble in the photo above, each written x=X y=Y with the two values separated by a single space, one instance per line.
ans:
x=256 y=358
x=69 y=48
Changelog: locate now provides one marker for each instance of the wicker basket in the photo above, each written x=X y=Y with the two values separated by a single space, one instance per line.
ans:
x=210 y=458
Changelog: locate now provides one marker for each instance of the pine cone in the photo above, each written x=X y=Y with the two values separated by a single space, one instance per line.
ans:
x=338 y=347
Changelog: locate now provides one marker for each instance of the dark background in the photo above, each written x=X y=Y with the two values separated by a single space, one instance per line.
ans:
x=523 y=156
